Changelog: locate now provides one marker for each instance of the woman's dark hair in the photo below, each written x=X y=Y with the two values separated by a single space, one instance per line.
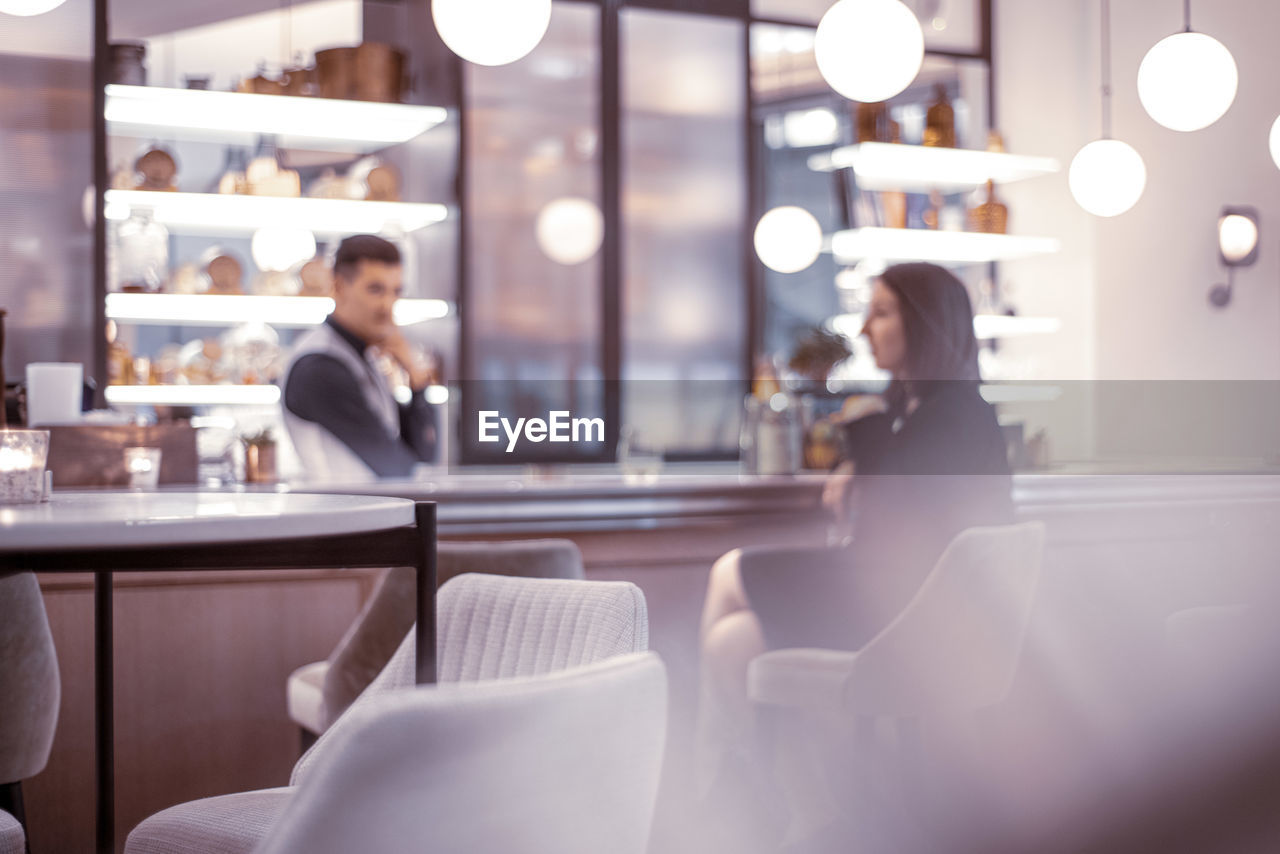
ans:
x=937 y=320
x=363 y=247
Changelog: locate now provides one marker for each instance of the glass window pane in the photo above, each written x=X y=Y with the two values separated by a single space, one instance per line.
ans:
x=947 y=24
x=684 y=206
x=533 y=310
x=800 y=118
x=46 y=243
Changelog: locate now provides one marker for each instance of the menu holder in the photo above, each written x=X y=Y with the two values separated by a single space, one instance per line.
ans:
x=94 y=455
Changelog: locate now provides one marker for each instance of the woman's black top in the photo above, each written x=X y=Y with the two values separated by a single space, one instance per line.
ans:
x=919 y=481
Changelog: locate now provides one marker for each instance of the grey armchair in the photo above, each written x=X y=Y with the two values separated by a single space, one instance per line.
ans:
x=30 y=688
x=856 y=727
x=319 y=692
x=12 y=839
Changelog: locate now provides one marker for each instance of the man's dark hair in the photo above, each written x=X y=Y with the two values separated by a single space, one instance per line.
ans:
x=363 y=247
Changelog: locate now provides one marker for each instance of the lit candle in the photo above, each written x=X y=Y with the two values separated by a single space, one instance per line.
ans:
x=16 y=459
x=22 y=461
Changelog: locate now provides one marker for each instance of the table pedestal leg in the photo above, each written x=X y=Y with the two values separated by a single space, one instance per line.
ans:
x=104 y=707
x=425 y=645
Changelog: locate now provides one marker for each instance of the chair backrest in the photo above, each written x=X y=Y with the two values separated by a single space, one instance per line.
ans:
x=381 y=625
x=491 y=627
x=12 y=839
x=30 y=687
x=564 y=763
x=955 y=646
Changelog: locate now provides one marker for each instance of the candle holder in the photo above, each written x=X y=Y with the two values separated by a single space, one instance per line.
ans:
x=23 y=454
x=143 y=467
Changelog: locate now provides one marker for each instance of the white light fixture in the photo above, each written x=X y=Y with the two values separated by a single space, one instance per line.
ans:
x=209 y=213
x=193 y=395
x=1237 y=247
x=28 y=8
x=869 y=50
x=1275 y=142
x=281 y=247
x=1187 y=81
x=788 y=239
x=917 y=168
x=491 y=32
x=1237 y=237
x=940 y=247
x=810 y=128
x=1107 y=176
x=229 y=309
x=570 y=230
x=156 y=111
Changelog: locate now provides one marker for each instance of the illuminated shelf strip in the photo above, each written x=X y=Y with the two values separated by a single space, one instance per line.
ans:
x=154 y=111
x=987 y=326
x=193 y=395
x=916 y=168
x=942 y=247
x=1019 y=393
x=212 y=212
x=225 y=310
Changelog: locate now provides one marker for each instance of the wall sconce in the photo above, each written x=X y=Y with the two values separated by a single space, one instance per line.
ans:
x=1237 y=247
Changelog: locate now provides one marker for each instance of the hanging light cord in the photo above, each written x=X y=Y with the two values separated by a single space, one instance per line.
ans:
x=1186 y=15
x=1106 y=69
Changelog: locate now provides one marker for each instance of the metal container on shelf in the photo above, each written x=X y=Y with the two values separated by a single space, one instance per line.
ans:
x=125 y=63
x=371 y=71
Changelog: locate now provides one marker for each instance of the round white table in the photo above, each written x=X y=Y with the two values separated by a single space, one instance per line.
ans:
x=109 y=531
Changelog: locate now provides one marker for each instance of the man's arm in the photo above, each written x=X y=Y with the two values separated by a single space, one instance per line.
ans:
x=321 y=389
x=418 y=428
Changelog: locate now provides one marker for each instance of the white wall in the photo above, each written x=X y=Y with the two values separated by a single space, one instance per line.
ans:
x=1132 y=290
x=1156 y=263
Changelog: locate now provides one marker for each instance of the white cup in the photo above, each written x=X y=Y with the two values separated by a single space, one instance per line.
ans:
x=54 y=392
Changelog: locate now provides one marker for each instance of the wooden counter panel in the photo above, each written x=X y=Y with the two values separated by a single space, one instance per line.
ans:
x=201 y=661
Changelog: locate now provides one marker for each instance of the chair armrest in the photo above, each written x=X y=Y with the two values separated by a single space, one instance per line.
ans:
x=801 y=678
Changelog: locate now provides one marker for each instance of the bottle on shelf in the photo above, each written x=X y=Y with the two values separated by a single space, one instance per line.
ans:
x=940 y=121
x=138 y=257
x=266 y=176
x=990 y=217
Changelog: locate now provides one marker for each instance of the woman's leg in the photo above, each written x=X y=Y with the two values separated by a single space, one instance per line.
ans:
x=731 y=638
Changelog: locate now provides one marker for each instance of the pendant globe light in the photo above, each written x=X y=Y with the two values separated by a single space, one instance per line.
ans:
x=1107 y=176
x=491 y=32
x=1188 y=80
x=28 y=8
x=1275 y=142
x=570 y=230
x=788 y=239
x=869 y=50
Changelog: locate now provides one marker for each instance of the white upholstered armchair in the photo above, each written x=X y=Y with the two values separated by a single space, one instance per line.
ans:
x=488 y=627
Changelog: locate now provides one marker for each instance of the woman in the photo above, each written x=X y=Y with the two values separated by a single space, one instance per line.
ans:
x=928 y=461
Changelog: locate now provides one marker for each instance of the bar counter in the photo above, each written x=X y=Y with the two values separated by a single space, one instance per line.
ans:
x=200 y=707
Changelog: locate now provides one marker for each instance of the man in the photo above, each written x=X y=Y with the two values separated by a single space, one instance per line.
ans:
x=338 y=408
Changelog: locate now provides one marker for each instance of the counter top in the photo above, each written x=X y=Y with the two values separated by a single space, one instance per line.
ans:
x=508 y=503
x=87 y=520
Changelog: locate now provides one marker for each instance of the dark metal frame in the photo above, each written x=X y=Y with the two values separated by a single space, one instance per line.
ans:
x=414 y=545
x=756 y=281
x=611 y=194
x=610 y=119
